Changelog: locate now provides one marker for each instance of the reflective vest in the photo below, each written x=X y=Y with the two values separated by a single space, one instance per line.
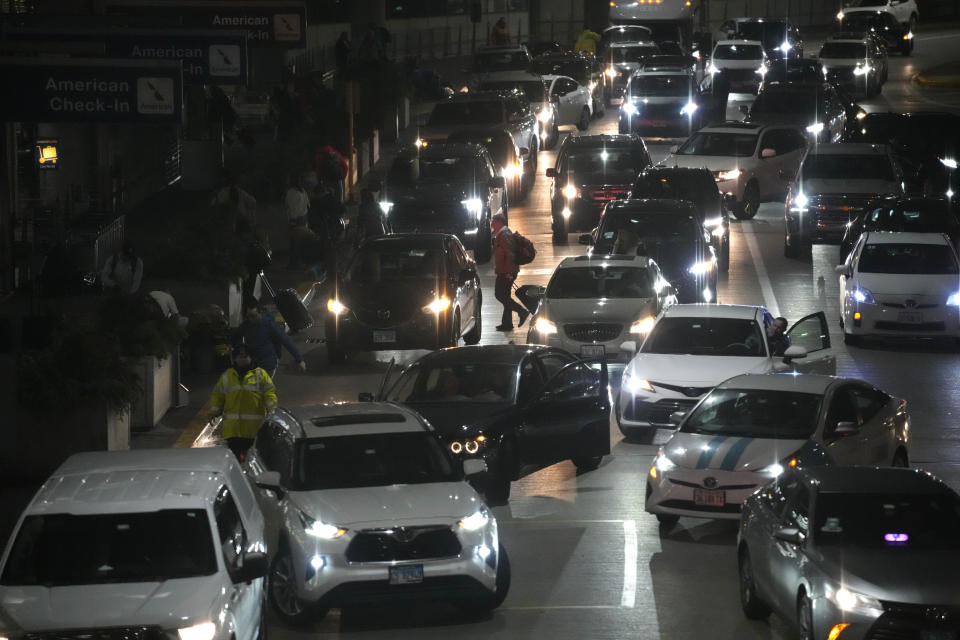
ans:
x=243 y=404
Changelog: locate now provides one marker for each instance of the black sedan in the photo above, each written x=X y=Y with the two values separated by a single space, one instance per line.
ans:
x=896 y=36
x=518 y=407
x=404 y=291
x=891 y=213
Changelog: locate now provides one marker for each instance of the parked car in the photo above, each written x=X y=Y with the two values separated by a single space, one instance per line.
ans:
x=404 y=291
x=750 y=428
x=900 y=284
x=694 y=347
x=670 y=232
x=590 y=172
x=125 y=544
x=856 y=549
x=751 y=161
x=593 y=303
x=517 y=407
x=832 y=186
x=882 y=23
x=535 y=92
x=518 y=168
x=491 y=60
x=856 y=64
x=892 y=213
x=365 y=506
x=662 y=103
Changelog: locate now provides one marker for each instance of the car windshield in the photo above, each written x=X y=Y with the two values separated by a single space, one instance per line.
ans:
x=908 y=259
x=600 y=282
x=862 y=21
x=869 y=3
x=64 y=549
x=579 y=70
x=846 y=166
x=780 y=102
x=461 y=382
x=887 y=521
x=798 y=71
x=736 y=145
x=501 y=61
x=370 y=460
x=752 y=413
x=843 y=50
x=738 y=52
x=633 y=54
x=670 y=86
x=380 y=262
x=463 y=113
x=706 y=337
x=407 y=170
x=771 y=34
x=532 y=90
x=499 y=146
x=698 y=188
x=648 y=234
x=610 y=165
x=627 y=33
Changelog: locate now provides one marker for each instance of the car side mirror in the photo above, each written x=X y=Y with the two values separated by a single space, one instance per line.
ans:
x=789 y=534
x=586 y=238
x=677 y=417
x=630 y=346
x=474 y=466
x=846 y=428
x=795 y=351
x=466 y=275
x=768 y=153
x=844 y=270
x=744 y=109
x=365 y=396
x=551 y=172
x=498 y=182
x=255 y=566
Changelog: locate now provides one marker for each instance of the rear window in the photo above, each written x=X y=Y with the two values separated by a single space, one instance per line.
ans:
x=533 y=90
x=843 y=50
x=670 y=86
x=738 y=52
x=699 y=187
x=847 y=167
x=601 y=282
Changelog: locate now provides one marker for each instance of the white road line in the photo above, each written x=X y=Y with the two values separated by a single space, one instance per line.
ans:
x=559 y=607
x=765 y=286
x=629 y=597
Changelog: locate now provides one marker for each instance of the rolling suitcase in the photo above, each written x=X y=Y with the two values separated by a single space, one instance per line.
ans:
x=291 y=307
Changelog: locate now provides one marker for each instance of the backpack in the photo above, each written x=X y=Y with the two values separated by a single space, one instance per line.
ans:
x=523 y=250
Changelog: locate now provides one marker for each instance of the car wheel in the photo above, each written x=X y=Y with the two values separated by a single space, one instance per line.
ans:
x=791 y=249
x=725 y=256
x=752 y=606
x=282 y=592
x=599 y=110
x=852 y=340
x=484 y=244
x=751 y=202
x=473 y=336
x=554 y=137
x=906 y=48
x=667 y=521
x=584 y=123
x=479 y=606
x=804 y=617
x=453 y=338
x=900 y=460
x=587 y=463
x=559 y=230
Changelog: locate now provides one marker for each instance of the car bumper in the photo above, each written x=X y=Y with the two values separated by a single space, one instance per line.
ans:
x=651 y=410
x=609 y=349
x=683 y=492
x=466 y=233
x=352 y=334
x=816 y=227
x=654 y=125
x=877 y=320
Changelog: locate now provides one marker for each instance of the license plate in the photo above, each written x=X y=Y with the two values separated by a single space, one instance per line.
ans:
x=936 y=634
x=384 y=336
x=406 y=574
x=705 y=498
x=910 y=317
x=592 y=350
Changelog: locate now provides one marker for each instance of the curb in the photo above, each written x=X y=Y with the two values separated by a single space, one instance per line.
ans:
x=194 y=428
x=944 y=82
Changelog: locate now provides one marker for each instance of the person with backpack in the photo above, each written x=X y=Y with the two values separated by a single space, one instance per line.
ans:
x=506 y=270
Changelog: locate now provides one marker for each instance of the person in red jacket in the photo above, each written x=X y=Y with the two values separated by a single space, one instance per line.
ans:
x=506 y=269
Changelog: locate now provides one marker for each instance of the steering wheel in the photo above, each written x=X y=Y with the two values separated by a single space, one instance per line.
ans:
x=737 y=348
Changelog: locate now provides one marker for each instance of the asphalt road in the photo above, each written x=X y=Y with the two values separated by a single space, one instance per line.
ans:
x=587 y=561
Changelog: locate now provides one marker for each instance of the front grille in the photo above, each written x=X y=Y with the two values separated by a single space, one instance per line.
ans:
x=740 y=75
x=107 y=633
x=725 y=487
x=690 y=392
x=690 y=506
x=403 y=543
x=445 y=588
x=887 y=325
x=381 y=317
x=592 y=332
x=910 y=621
x=602 y=196
x=656 y=412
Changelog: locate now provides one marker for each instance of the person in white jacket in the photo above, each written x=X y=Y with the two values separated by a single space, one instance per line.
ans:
x=123 y=271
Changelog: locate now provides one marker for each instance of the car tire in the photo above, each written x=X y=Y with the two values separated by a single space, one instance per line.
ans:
x=283 y=595
x=791 y=250
x=453 y=338
x=805 y=617
x=584 y=123
x=906 y=48
x=473 y=336
x=751 y=202
x=554 y=136
x=851 y=339
x=750 y=602
x=667 y=521
x=483 y=249
x=599 y=109
x=476 y=607
x=725 y=256
x=588 y=463
x=560 y=235
x=900 y=460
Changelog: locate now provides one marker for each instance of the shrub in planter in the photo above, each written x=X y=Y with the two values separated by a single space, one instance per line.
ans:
x=138 y=326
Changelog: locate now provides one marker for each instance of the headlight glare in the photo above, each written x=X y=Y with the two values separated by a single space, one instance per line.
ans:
x=635 y=384
x=643 y=325
x=629 y=108
x=862 y=70
x=474 y=206
x=544 y=326
x=545 y=115
x=863 y=295
x=475 y=520
x=702 y=267
x=689 y=108
x=611 y=73
x=785 y=47
x=322 y=530
x=570 y=192
x=385 y=207
x=854 y=602
x=954 y=299
x=815 y=128
x=335 y=307
x=732 y=174
x=202 y=631
x=949 y=163
x=439 y=305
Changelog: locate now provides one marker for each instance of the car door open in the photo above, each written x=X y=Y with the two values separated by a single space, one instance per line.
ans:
x=812 y=333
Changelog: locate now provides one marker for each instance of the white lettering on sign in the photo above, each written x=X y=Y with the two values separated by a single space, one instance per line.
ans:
x=171 y=51
x=59 y=104
x=240 y=21
x=89 y=86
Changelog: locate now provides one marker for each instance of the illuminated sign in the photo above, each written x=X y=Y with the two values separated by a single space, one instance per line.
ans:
x=46 y=154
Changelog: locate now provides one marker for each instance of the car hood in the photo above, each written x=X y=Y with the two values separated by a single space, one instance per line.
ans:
x=909 y=284
x=167 y=604
x=694 y=371
x=428 y=190
x=898 y=575
x=728 y=453
x=713 y=163
x=753 y=63
x=395 y=504
x=623 y=310
x=840 y=186
x=459 y=419
x=836 y=63
x=639 y=101
x=392 y=295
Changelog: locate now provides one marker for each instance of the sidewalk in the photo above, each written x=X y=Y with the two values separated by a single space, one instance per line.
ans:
x=944 y=76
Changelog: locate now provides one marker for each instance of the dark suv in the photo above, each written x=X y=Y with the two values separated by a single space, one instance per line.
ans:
x=459 y=187
x=699 y=187
x=507 y=109
x=816 y=108
x=590 y=172
x=404 y=291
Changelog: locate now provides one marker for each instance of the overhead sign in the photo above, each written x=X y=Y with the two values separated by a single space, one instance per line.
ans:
x=84 y=90
x=267 y=24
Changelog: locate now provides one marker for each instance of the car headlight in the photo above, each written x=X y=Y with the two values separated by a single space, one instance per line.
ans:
x=861 y=114
x=474 y=521
x=545 y=115
x=420 y=143
x=511 y=171
x=661 y=464
x=761 y=70
x=385 y=207
x=629 y=108
x=544 y=326
x=712 y=69
x=439 y=305
x=570 y=192
x=863 y=295
x=335 y=307
x=702 y=267
x=689 y=108
x=785 y=47
x=908 y=35
x=635 y=384
x=862 y=70
x=732 y=174
x=474 y=206
x=712 y=223
x=611 y=73
x=815 y=128
x=949 y=163
x=840 y=15
x=317 y=529
x=854 y=602
x=643 y=325
x=799 y=203
x=954 y=299
x=202 y=631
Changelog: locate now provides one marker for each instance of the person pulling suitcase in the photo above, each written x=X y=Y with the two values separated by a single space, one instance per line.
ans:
x=262 y=335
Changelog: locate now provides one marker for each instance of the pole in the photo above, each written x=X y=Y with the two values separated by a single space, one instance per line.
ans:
x=8 y=207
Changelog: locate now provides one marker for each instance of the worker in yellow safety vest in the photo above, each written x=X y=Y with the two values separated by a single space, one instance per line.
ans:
x=587 y=41
x=244 y=394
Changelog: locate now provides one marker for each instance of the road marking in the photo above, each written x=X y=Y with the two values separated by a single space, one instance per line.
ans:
x=765 y=286
x=629 y=596
x=560 y=607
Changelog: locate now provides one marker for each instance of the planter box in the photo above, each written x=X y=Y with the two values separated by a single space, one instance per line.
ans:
x=159 y=381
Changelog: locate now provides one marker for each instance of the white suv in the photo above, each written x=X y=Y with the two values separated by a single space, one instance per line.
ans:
x=751 y=161
x=737 y=65
x=366 y=506
x=138 y=544
x=905 y=11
